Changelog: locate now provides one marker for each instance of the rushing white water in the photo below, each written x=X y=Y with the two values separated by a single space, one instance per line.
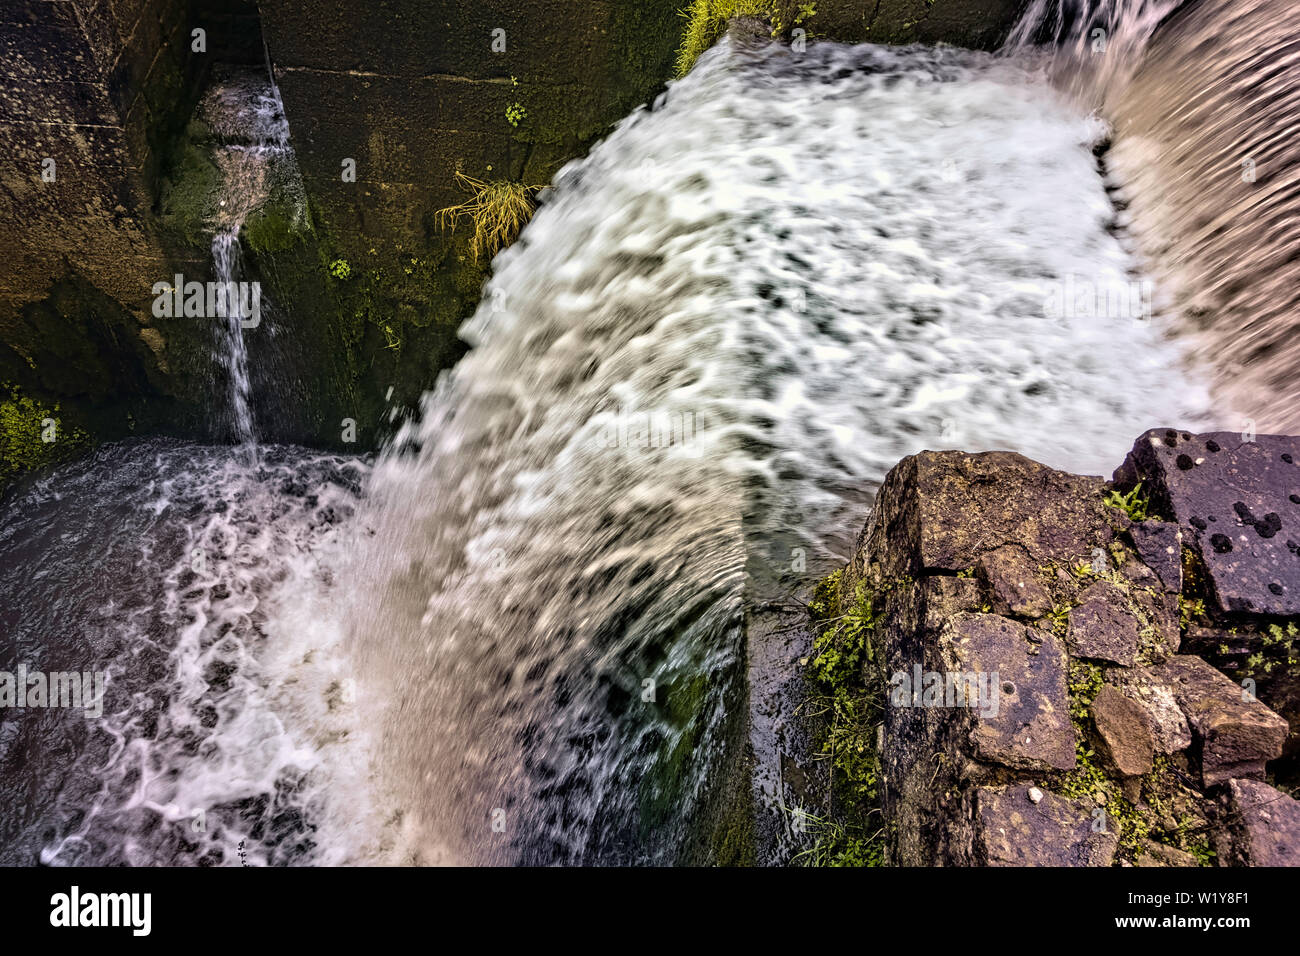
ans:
x=1095 y=46
x=806 y=267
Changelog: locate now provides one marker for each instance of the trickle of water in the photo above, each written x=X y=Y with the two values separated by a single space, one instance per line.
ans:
x=245 y=112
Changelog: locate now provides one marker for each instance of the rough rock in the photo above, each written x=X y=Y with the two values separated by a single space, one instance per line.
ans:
x=1001 y=498
x=1263 y=826
x=1015 y=831
x=1157 y=854
x=1169 y=730
x=953 y=537
x=1102 y=628
x=1160 y=546
x=1031 y=729
x=1013 y=583
x=1234 y=735
x=1125 y=734
x=945 y=596
x=1238 y=504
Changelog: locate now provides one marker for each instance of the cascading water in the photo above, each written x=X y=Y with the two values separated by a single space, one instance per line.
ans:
x=1094 y=46
x=688 y=377
x=245 y=112
x=1201 y=113
x=821 y=263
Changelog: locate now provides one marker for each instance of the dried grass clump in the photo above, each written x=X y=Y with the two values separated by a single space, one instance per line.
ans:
x=497 y=209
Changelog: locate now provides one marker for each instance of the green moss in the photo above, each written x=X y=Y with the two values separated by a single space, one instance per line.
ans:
x=1165 y=810
x=271 y=230
x=706 y=20
x=844 y=708
x=32 y=436
x=191 y=189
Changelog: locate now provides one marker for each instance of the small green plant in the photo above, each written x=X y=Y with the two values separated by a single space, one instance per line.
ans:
x=498 y=210
x=779 y=12
x=1190 y=611
x=340 y=269
x=707 y=19
x=835 y=844
x=514 y=113
x=1132 y=504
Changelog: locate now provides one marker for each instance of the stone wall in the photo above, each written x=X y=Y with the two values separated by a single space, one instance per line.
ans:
x=1079 y=607
x=92 y=89
x=407 y=94
x=980 y=24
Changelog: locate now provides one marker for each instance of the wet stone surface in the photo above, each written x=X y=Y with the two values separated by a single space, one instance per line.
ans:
x=1238 y=504
x=1263 y=827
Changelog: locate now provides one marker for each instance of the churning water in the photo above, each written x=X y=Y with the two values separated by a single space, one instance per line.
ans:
x=521 y=637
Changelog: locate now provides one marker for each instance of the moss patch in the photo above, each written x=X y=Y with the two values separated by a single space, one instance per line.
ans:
x=706 y=20
x=844 y=709
x=32 y=436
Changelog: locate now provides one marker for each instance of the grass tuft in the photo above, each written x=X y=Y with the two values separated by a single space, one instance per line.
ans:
x=705 y=22
x=498 y=210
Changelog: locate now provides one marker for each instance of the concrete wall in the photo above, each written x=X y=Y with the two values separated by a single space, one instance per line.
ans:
x=414 y=92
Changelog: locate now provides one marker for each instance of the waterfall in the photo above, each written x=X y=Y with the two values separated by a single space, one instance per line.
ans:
x=716 y=335
x=536 y=630
x=1201 y=99
x=1093 y=46
x=245 y=112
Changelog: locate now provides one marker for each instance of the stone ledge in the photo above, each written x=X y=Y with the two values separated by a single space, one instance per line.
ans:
x=1102 y=744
